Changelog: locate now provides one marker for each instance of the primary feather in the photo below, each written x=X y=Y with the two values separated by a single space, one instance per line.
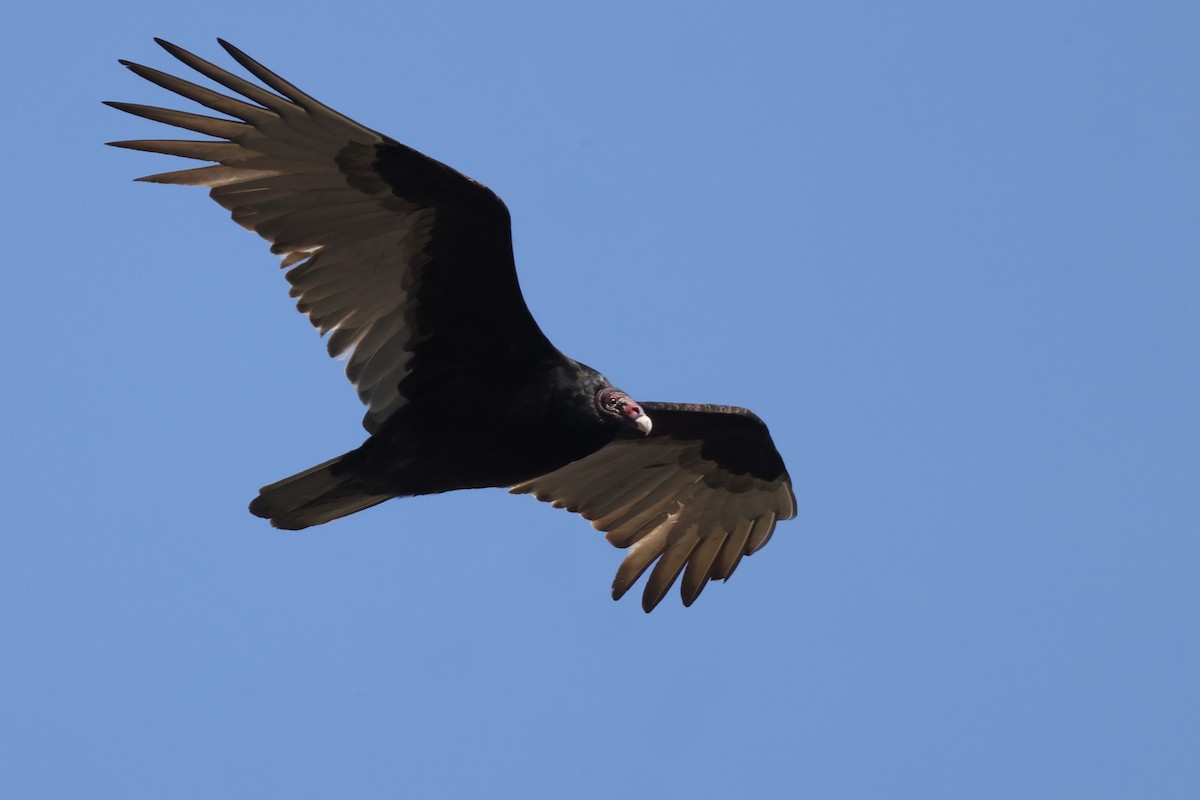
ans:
x=407 y=266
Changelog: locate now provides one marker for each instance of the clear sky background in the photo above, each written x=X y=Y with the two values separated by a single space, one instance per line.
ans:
x=948 y=251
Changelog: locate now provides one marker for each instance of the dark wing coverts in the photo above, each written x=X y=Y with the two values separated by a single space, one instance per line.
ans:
x=703 y=490
x=408 y=266
x=400 y=258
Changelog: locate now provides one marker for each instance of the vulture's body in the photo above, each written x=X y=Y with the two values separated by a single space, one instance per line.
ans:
x=408 y=266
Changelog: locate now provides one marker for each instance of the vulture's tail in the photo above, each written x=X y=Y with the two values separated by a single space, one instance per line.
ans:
x=317 y=495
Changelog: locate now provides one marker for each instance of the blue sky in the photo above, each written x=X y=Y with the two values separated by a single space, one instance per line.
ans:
x=948 y=251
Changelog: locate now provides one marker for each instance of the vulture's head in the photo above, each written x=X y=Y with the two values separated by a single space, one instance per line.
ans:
x=616 y=405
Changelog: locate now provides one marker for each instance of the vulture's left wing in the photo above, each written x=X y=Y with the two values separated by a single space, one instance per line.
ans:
x=704 y=489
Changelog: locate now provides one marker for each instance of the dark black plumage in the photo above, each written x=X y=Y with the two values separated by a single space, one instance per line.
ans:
x=408 y=266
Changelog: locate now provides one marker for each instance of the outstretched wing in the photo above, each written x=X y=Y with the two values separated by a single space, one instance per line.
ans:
x=704 y=489
x=400 y=258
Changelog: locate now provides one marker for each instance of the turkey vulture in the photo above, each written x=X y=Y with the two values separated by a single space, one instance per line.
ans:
x=408 y=265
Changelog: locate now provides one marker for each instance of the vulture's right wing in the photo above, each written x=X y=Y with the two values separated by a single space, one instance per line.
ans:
x=400 y=258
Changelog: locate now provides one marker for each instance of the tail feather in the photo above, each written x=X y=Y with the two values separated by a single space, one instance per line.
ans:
x=315 y=496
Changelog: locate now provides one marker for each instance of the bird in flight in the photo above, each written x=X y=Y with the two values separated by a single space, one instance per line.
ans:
x=408 y=266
